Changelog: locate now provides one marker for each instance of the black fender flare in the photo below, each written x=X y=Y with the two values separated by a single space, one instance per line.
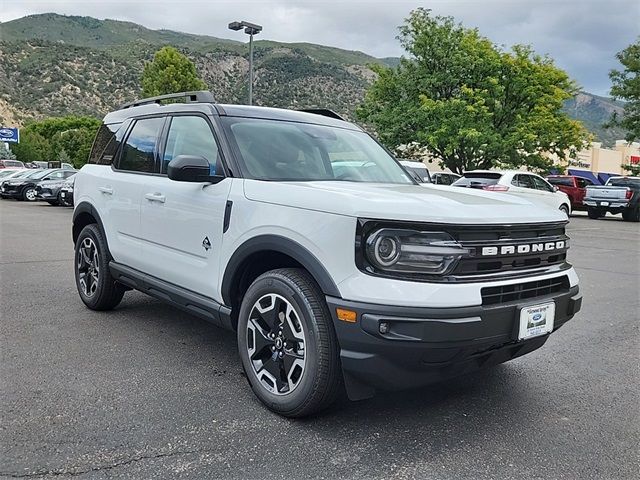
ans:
x=282 y=245
x=85 y=207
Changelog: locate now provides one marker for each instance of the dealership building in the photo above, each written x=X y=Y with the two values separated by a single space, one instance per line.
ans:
x=598 y=164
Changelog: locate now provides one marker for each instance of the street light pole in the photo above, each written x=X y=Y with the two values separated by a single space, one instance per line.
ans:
x=250 y=29
x=251 y=69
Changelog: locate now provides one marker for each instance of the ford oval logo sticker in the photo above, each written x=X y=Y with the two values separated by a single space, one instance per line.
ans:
x=537 y=317
x=5 y=132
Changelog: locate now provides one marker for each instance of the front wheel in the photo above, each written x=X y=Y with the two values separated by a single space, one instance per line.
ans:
x=97 y=288
x=29 y=194
x=287 y=343
x=564 y=209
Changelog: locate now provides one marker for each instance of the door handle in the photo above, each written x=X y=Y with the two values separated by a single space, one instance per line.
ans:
x=107 y=190
x=155 y=197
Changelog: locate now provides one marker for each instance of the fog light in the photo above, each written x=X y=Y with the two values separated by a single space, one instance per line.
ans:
x=384 y=327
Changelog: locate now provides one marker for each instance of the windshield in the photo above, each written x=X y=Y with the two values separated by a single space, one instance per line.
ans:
x=288 y=151
x=39 y=174
x=477 y=179
x=6 y=173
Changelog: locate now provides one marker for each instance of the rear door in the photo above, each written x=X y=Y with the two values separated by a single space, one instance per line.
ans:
x=182 y=222
x=120 y=189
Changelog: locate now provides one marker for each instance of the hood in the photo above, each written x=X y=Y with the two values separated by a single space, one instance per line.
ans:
x=417 y=203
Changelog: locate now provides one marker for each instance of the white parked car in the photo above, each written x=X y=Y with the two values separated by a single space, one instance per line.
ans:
x=523 y=184
x=300 y=233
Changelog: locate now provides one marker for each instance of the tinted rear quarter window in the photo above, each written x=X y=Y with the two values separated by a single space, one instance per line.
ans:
x=106 y=143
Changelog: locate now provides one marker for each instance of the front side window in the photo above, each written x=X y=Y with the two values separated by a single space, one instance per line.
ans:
x=289 y=151
x=190 y=135
x=138 y=151
x=540 y=184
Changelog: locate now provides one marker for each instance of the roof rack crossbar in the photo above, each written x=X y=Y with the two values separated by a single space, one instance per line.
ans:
x=325 y=112
x=201 y=96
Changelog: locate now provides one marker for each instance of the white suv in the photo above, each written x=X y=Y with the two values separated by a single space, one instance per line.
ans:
x=301 y=233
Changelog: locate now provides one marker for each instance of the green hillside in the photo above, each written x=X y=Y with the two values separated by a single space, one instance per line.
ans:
x=52 y=65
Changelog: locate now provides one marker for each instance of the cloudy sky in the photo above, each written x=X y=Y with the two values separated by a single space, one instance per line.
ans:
x=581 y=35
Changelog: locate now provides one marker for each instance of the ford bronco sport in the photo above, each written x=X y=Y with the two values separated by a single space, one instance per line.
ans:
x=301 y=233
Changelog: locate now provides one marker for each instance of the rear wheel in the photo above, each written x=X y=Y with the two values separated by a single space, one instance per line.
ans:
x=97 y=288
x=631 y=214
x=287 y=343
x=594 y=213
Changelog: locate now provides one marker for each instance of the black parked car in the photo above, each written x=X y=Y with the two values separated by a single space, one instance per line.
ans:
x=49 y=190
x=24 y=188
x=66 y=193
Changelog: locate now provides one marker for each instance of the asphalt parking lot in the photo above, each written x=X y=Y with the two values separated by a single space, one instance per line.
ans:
x=147 y=391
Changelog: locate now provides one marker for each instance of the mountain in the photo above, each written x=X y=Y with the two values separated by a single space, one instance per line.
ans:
x=53 y=65
x=595 y=111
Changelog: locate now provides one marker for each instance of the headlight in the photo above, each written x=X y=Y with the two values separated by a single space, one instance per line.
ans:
x=413 y=251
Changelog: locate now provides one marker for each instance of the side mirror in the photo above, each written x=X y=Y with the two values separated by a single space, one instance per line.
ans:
x=191 y=168
x=555 y=188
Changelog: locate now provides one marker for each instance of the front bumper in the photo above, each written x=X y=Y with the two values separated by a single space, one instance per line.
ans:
x=426 y=345
x=46 y=194
x=11 y=191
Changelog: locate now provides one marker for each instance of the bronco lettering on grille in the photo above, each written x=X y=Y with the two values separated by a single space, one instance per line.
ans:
x=523 y=249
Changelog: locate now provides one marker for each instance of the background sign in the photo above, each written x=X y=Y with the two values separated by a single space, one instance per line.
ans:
x=9 y=135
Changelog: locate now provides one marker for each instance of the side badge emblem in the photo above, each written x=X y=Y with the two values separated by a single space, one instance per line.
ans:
x=206 y=244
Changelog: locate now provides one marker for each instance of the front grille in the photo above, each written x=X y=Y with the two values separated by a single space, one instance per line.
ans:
x=523 y=291
x=509 y=264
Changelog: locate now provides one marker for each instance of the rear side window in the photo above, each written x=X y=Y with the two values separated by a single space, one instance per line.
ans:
x=106 y=143
x=567 y=182
x=190 y=135
x=138 y=151
x=523 y=181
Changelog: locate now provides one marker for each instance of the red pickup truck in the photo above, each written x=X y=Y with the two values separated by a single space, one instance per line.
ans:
x=574 y=187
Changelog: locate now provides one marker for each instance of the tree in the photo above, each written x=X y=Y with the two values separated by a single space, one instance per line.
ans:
x=469 y=103
x=6 y=153
x=43 y=140
x=626 y=86
x=170 y=72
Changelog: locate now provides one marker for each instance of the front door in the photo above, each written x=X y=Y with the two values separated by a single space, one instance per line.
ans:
x=182 y=222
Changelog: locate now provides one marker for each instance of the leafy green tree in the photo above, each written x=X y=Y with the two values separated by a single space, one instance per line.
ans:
x=170 y=72
x=626 y=86
x=6 y=153
x=470 y=103
x=63 y=157
x=43 y=140
x=32 y=147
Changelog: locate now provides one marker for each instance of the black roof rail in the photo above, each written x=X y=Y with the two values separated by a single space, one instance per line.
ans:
x=201 y=96
x=325 y=112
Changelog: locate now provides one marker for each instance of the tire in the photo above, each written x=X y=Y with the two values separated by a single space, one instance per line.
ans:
x=631 y=215
x=292 y=381
x=64 y=202
x=96 y=287
x=29 y=194
x=594 y=213
x=565 y=209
